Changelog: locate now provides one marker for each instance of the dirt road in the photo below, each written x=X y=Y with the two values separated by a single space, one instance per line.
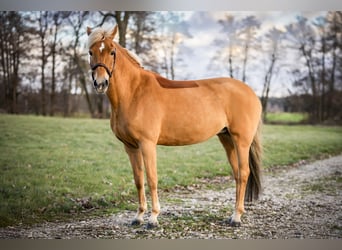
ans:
x=302 y=201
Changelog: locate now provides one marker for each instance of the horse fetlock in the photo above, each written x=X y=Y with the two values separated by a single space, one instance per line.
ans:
x=235 y=220
x=142 y=209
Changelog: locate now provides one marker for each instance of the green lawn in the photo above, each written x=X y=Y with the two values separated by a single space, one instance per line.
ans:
x=53 y=168
x=286 y=117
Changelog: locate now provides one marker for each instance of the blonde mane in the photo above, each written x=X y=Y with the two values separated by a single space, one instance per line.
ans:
x=99 y=34
x=133 y=57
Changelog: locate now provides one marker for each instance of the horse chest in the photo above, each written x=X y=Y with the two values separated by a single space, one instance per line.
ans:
x=124 y=134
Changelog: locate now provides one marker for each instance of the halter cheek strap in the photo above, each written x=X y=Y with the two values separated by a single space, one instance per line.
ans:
x=94 y=67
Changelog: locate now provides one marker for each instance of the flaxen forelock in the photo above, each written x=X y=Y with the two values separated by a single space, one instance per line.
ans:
x=98 y=34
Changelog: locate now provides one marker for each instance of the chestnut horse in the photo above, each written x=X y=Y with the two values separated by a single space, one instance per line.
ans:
x=149 y=110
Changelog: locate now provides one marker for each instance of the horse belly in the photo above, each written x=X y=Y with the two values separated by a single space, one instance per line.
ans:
x=191 y=127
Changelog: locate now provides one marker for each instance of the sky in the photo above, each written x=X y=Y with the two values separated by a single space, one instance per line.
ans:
x=198 y=50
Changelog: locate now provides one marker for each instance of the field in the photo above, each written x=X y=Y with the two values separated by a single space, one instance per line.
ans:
x=286 y=118
x=55 y=169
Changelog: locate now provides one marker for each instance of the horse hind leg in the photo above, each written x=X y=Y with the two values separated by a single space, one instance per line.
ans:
x=241 y=179
x=136 y=160
x=238 y=151
x=232 y=156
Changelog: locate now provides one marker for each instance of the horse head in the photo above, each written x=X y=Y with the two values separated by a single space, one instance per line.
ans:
x=102 y=56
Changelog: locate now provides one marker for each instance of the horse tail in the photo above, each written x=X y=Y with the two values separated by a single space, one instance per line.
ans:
x=253 y=188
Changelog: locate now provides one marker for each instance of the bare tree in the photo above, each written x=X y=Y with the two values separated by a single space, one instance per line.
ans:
x=142 y=29
x=76 y=21
x=249 y=26
x=42 y=33
x=228 y=42
x=273 y=39
x=57 y=20
x=12 y=31
x=303 y=36
x=334 y=19
x=121 y=18
x=319 y=44
x=321 y=28
x=173 y=31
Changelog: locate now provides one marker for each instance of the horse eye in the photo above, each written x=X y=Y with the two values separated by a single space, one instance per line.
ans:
x=112 y=53
x=90 y=53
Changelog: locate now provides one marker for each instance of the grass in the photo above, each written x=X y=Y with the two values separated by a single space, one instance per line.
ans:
x=284 y=145
x=286 y=118
x=54 y=168
x=322 y=185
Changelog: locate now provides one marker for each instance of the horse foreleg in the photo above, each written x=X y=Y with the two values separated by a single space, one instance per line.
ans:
x=149 y=153
x=136 y=160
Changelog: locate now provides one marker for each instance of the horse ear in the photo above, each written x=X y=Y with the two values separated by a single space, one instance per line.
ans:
x=114 y=32
x=88 y=30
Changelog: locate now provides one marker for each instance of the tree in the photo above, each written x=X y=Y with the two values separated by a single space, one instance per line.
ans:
x=42 y=33
x=249 y=26
x=303 y=36
x=319 y=44
x=334 y=19
x=273 y=39
x=173 y=30
x=142 y=28
x=121 y=18
x=228 y=42
x=76 y=21
x=12 y=34
x=57 y=20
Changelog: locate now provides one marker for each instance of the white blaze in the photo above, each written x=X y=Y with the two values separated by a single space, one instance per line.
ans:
x=102 y=47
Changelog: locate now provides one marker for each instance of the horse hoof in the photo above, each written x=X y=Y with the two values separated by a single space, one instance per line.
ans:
x=151 y=225
x=233 y=223
x=136 y=222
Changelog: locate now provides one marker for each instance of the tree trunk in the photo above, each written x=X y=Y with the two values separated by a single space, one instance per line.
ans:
x=83 y=82
x=57 y=22
x=266 y=88
x=322 y=111
x=122 y=21
x=11 y=32
x=53 y=81
x=230 y=62
x=172 y=68
x=245 y=63
x=315 y=100
x=331 y=88
x=43 y=26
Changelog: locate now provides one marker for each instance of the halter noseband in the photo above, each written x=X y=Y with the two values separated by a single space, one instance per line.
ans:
x=109 y=72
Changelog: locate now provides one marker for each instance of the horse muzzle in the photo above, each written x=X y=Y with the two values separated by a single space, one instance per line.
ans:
x=101 y=84
x=101 y=87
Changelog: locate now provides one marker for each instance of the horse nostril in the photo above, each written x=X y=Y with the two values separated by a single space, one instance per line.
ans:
x=95 y=84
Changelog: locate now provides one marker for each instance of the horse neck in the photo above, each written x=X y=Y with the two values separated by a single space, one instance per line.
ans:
x=123 y=83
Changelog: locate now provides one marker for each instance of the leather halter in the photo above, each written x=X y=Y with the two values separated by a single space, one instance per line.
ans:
x=109 y=72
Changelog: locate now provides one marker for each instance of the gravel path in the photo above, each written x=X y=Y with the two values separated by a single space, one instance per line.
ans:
x=301 y=201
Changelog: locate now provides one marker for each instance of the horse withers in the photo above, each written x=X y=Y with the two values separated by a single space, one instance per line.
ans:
x=148 y=110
